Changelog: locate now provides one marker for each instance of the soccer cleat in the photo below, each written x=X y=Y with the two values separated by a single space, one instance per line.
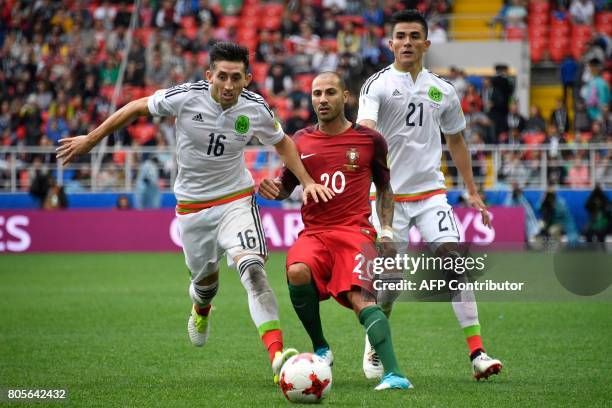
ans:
x=326 y=354
x=279 y=360
x=484 y=366
x=372 y=366
x=198 y=328
x=394 y=381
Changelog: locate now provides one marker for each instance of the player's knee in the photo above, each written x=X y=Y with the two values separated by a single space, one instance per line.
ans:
x=253 y=276
x=450 y=251
x=298 y=274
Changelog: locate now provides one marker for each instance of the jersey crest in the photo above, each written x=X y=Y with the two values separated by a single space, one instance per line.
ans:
x=435 y=94
x=352 y=155
x=242 y=124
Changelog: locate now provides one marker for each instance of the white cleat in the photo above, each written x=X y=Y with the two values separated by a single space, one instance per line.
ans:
x=484 y=366
x=279 y=360
x=372 y=366
x=326 y=354
x=198 y=328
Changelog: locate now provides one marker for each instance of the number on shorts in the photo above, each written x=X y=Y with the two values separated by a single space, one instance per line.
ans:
x=443 y=216
x=325 y=178
x=247 y=240
x=363 y=275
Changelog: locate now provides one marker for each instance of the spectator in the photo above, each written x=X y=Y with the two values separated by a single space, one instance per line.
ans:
x=515 y=14
x=578 y=174
x=373 y=14
x=535 y=123
x=146 y=194
x=502 y=90
x=278 y=83
x=325 y=59
x=370 y=49
x=517 y=199
x=298 y=98
x=560 y=118
x=582 y=122
x=56 y=197
x=471 y=101
x=307 y=39
x=569 y=73
x=123 y=203
x=600 y=216
x=437 y=33
x=41 y=182
x=515 y=121
x=330 y=26
x=582 y=12
x=57 y=128
x=348 y=40
x=556 y=219
x=596 y=92
x=513 y=169
x=457 y=78
x=597 y=132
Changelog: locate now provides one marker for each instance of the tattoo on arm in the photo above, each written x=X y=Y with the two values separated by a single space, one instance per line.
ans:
x=384 y=204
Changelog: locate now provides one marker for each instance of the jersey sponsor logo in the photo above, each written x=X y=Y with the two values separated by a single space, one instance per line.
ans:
x=303 y=156
x=396 y=94
x=435 y=94
x=242 y=124
x=352 y=156
x=198 y=118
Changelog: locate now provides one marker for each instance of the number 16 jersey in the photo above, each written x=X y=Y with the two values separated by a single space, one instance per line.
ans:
x=410 y=116
x=210 y=141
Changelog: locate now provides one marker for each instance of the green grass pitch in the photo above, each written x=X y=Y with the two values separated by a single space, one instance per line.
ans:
x=111 y=328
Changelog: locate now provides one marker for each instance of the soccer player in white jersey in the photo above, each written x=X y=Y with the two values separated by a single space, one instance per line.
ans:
x=409 y=106
x=216 y=207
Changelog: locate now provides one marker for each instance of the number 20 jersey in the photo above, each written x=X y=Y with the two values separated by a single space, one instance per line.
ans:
x=210 y=141
x=347 y=163
x=410 y=116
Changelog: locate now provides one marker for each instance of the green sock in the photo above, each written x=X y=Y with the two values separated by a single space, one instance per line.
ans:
x=305 y=300
x=379 y=333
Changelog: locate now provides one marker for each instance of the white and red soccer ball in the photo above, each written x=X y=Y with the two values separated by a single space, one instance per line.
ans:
x=305 y=378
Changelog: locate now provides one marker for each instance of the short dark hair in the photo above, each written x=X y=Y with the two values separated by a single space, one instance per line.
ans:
x=229 y=51
x=340 y=78
x=409 y=16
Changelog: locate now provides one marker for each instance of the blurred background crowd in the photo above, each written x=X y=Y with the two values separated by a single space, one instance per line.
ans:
x=61 y=61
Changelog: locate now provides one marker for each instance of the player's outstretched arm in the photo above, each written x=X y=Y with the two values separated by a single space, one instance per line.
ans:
x=463 y=162
x=289 y=155
x=273 y=189
x=73 y=146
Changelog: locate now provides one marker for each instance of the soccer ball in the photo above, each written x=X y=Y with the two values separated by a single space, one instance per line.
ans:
x=305 y=378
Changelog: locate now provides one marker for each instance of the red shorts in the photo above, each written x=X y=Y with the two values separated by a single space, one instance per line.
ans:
x=337 y=260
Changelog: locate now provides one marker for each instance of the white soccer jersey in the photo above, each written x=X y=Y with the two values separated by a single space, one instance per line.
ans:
x=210 y=141
x=410 y=115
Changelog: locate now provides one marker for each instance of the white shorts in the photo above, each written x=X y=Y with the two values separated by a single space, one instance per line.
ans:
x=433 y=217
x=234 y=229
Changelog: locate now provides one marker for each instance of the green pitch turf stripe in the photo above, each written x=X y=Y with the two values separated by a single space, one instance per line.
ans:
x=472 y=330
x=267 y=326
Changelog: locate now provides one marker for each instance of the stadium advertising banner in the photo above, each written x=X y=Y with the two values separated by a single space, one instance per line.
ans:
x=157 y=230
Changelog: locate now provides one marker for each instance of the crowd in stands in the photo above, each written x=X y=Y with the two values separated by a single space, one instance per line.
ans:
x=60 y=61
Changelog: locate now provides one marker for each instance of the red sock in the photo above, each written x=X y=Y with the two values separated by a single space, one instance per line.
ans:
x=474 y=343
x=273 y=340
x=202 y=311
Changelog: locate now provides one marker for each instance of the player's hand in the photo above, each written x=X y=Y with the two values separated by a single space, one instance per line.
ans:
x=71 y=147
x=269 y=189
x=385 y=246
x=476 y=202
x=317 y=191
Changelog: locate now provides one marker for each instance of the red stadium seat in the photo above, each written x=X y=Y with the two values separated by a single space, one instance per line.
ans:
x=229 y=21
x=582 y=32
x=537 y=19
x=578 y=48
x=270 y=23
x=305 y=81
x=202 y=58
x=260 y=71
x=188 y=22
x=537 y=54
x=271 y=10
x=538 y=32
x=332 y=43
x=515 y=34
x=249 y=22
x=249 y=10
x=247 y=34
x=539 y=6
x=558 y=51
x=144 y=34
x=604 y=17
